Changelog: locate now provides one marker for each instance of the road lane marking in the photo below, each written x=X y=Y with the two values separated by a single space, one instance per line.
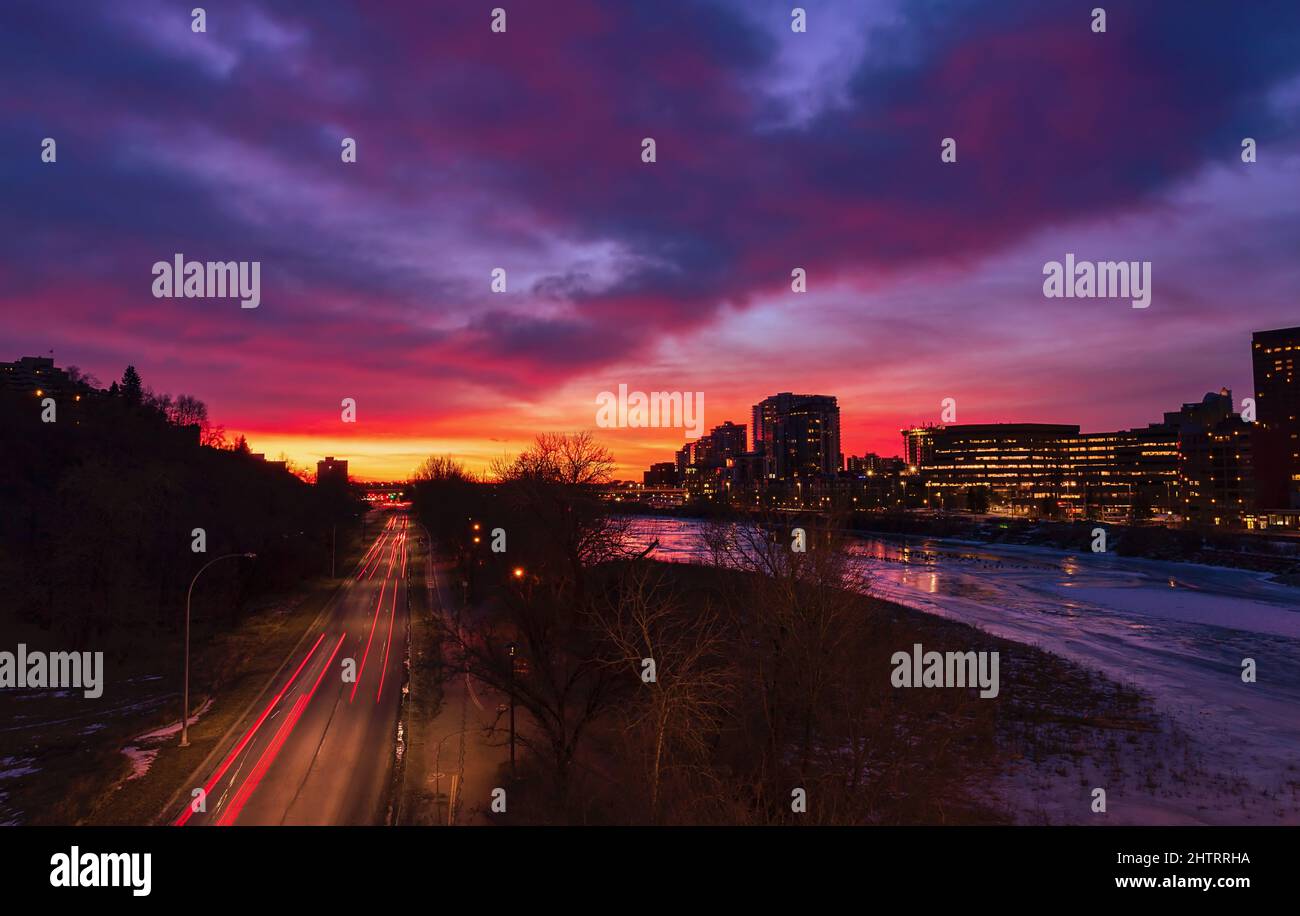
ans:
x=180 y=822
x=373 y=624
x=264 y=762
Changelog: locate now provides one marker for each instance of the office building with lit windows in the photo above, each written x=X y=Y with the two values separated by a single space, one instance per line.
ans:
x=1126 y=474
x=1025 y=466
x=1216 y=479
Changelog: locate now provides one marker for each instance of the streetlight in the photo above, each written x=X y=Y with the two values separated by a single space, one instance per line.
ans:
x=185 y=706
x=513 y=649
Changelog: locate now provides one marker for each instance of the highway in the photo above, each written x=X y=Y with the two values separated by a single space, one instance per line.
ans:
x=318 y=749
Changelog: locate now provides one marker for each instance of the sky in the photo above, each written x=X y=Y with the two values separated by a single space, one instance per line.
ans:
x=522 y=150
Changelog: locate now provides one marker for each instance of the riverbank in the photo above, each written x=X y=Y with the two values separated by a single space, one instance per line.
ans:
x=1031 y=754
x=1176 y=632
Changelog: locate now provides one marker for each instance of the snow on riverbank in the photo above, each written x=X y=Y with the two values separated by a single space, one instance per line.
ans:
x=1176 y=631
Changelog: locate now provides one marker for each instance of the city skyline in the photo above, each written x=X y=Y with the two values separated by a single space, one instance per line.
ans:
x=818 y=151
x=1218 y=461
x=724 y=441
x=627 y=472
x=1284 y=335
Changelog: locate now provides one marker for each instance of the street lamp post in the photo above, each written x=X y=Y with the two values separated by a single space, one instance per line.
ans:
x=513 y=649
x=185 y=705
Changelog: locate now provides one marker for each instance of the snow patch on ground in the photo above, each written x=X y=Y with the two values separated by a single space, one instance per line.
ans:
x=13 y=767
x=143 y=749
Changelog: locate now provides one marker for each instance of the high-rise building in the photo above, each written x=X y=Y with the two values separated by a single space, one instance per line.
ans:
x=332 y=472
x=728 y=440
x=1274 y=355
x=1216 y=477
x=918 y=445
x=798 y=435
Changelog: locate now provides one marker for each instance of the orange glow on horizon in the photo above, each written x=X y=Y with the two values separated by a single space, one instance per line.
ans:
x=372 y=460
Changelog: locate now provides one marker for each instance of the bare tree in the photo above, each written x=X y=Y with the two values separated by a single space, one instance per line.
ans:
x=80 y=378
x=556 y=672
x=672 y=718
x=717 y=534
x=188 y=410
x=553 y=488
x=560 y=530
x=801 y=607
x=294 y=468
x=160 y=403
x=215 y=437
x=446 y=494
x=441 y=468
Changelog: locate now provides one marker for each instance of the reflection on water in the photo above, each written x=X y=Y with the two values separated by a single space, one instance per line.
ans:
x=925 y=565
